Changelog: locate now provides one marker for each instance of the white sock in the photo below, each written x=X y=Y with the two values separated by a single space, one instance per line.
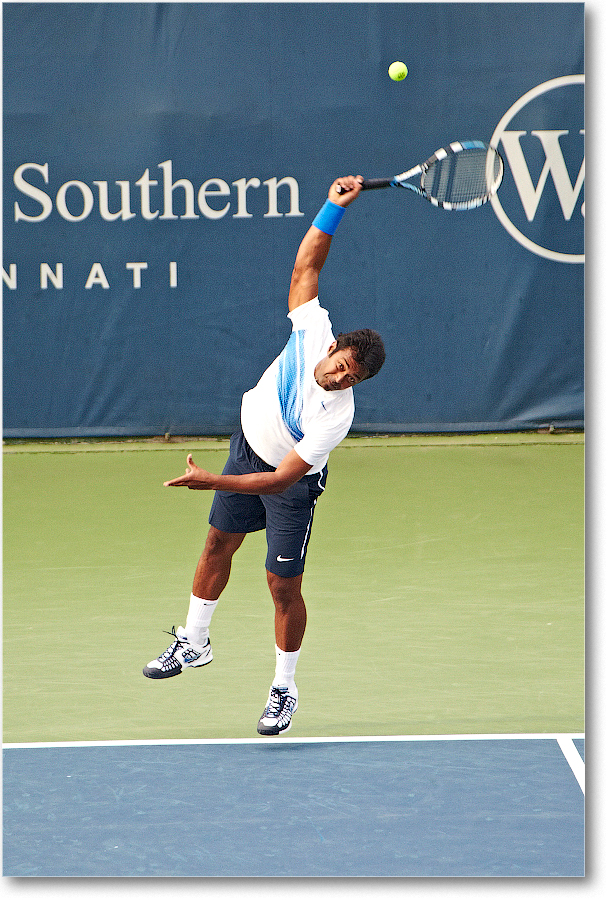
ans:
x=199 y=617
x=285 y=671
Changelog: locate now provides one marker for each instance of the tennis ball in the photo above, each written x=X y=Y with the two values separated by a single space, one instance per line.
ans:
x=397 y=71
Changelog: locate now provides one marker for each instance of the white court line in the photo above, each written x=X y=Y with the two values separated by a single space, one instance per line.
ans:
x=544 y=736
x=573 y=759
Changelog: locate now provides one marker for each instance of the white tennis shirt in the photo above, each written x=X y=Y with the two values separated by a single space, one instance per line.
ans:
x=287 y=409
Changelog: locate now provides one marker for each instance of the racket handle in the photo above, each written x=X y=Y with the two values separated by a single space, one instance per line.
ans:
x=369 y=184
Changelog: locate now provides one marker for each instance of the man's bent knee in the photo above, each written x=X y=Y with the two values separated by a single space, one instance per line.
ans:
x=222 y=543
x=284 y=590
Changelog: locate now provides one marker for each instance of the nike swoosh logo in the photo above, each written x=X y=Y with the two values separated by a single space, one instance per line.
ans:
x=282 y=559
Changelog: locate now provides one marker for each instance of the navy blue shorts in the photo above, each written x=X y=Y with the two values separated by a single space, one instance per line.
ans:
x=287 y=517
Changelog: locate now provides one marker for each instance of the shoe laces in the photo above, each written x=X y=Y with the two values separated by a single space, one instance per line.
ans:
x=275 y=702
x=178 y=642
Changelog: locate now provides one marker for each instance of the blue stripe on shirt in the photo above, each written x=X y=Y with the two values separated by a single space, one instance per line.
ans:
x=290 y=383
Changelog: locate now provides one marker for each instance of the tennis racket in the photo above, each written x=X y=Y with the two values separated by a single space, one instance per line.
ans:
x=463 y=175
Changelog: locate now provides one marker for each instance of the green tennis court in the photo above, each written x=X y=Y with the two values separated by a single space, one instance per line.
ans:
x=451 y=604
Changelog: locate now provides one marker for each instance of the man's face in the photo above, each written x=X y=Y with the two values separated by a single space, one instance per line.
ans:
x=338 y=371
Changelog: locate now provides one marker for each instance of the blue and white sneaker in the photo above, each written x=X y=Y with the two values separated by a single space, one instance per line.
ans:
x=180 y=655
x=276 y=718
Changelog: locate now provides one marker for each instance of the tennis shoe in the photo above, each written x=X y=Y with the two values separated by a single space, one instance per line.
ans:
x=180 y=655
x=276 y=718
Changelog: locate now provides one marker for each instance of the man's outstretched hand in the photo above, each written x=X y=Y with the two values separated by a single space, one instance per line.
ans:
x=195 y=478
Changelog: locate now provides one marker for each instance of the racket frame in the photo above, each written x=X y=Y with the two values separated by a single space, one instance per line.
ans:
x=455 y=147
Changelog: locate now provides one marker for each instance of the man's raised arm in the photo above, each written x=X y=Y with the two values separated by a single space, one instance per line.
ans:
x=315 y=245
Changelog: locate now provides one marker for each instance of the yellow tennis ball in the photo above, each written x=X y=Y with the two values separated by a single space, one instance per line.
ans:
x=397 y=71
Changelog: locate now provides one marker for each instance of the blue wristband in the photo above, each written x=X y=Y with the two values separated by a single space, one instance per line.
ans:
x=329 y=217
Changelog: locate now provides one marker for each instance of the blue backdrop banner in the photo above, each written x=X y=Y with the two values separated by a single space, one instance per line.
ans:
x=163 y=161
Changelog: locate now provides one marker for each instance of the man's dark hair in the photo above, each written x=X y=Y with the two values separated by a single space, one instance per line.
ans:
x=367 y=349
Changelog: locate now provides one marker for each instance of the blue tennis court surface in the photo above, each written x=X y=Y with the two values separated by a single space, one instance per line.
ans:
x=462 y=806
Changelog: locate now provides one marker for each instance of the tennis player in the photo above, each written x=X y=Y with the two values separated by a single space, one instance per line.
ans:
x=301 y=408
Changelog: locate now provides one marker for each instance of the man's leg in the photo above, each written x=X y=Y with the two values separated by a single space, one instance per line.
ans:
x=289 y=627
x=290 y=611
x=210 y=579
x=213 y=569
x=192 y=647
x=289 y=518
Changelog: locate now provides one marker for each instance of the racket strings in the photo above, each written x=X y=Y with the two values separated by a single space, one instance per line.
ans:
x=462 y=177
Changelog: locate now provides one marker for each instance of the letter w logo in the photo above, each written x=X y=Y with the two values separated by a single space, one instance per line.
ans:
x=554 y=163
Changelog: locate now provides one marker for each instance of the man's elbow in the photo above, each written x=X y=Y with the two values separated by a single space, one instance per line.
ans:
x=280 y=484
